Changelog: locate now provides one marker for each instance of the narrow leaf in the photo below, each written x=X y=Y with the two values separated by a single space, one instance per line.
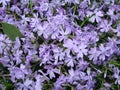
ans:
x=86 y=20
x=115 y=63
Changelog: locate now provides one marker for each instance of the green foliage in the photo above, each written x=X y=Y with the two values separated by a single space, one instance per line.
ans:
x=47 y=87
x=86 y=20
x=7 y=84
x=4 y=79
x=104 y=37
x=11 y=31
x=114 y=87
x=30 y=5
x=115 y=63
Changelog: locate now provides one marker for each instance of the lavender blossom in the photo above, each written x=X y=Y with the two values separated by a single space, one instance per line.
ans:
x=64 y=44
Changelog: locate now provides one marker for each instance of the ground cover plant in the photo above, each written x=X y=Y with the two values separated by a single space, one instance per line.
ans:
x=59 y=44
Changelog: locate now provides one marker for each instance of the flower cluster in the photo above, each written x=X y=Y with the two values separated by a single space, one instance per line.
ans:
x=66 y=44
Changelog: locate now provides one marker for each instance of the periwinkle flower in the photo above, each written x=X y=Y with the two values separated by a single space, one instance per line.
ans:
x=15 y=9
x=16 y=73
x=81 y=14
x=94 y=54
x=82 y=65
x=5 y=60
x=72 y=73
x=117 y=30
x=25 y=20
x=28 y=84
x=52 y=72
x=1 y=86
x=17 y=44
x=46 y=57
x=81 y=50
x=71 y=44
x=89 y=37
x=109 y=1
x=44 y=7
x=64 y=34
x=116 y=75
x=2 y=47
x=2 y=12
x=73 y=76
x=96 y=16
x=58 y=84
x=24 y=1
x=70 y=61
x=80 y=87
x=43 y=30
x=105 y=26
x=113 y=44
x=34 y=21
x=103 y=52
x=4 y=2
x=38 y=84
x=64 y=42
x=17 y=56
x=111 y=13
x=84 y=4
x=58 y=54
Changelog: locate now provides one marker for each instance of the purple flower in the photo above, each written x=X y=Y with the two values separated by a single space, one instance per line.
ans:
x=14 y=76
x=15 y=9
x=28 y=83
x=25 y=20
x=34 y=21
x=18 y=56
x=81 y=14
x=38 y=84
x=80 y=87
x=96 y=16
x=117 y=30
x=105 y=26
x=43 y=30
x=24 y=1
x=58 y=54
x=44 y=7
x=111 y=13
x=4 y=2
x=17 y=44
x=61 y=41
x=94 y=54
x=103 y=52
x=1 y=86
x=51 y=71
x=5 y=60
x=116 y=75
x=70 y=61
x=64 y=34
x=58 y=84
x=81 y=50
x=71 y=45
x=82 y=65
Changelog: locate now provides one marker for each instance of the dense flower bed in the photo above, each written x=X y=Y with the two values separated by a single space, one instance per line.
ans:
x=65 y=45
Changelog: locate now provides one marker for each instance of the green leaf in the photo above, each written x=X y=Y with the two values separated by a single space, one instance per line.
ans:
x=9 y=87
x=31 y=4
x=11 y=31
x=86 y=20
x=115 y=63
x=114 y=87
